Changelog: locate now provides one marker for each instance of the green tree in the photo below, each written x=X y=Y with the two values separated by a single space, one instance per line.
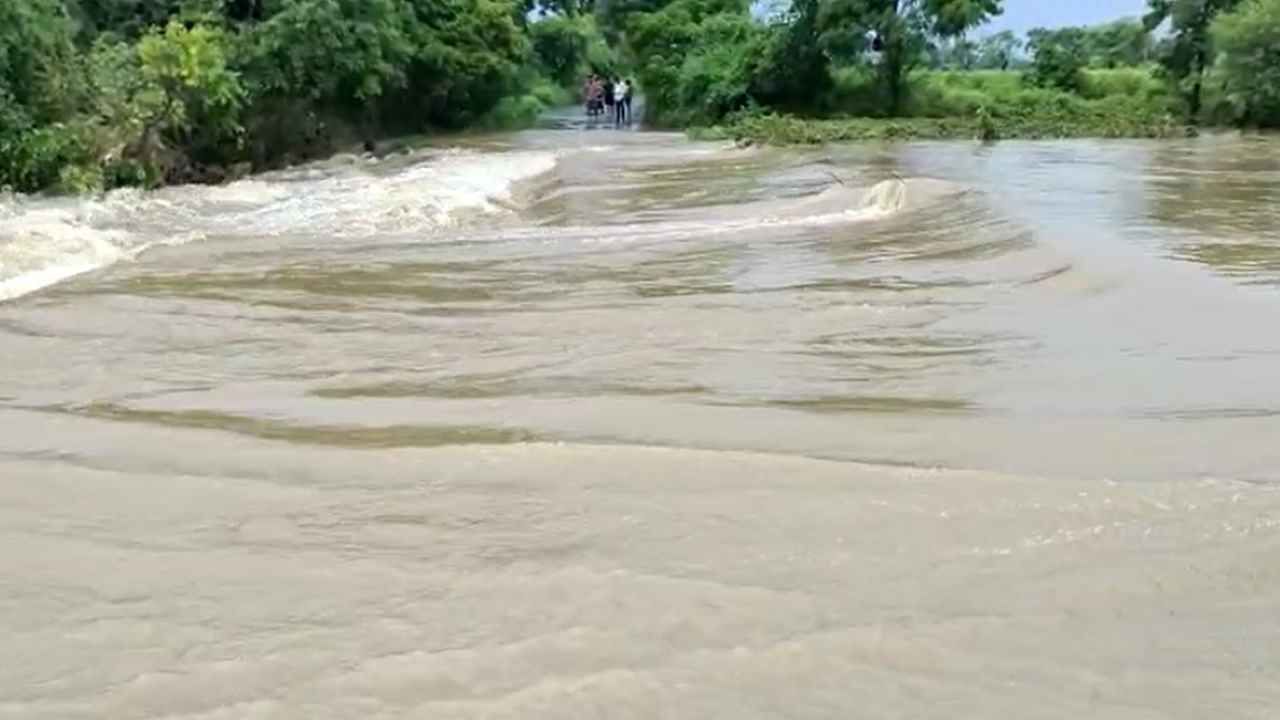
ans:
x=1249 y=40
x=1121 y=43
x=998 y=52
x=1058 y=58
x=901 y=28
x=191 y=98
x=683 y=45
x=563 y=8
x=560 y=44
x=466 y=56
x=1189 y=52
x=39 y=65
x=795 y=71
x=41 y=87
x=338 y=53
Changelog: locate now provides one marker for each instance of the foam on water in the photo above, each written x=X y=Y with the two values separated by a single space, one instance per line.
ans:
x=44 y=246
x=43 y=242
x=352 y=202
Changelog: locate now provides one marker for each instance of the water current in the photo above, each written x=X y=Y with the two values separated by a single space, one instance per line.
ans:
x=583 y=423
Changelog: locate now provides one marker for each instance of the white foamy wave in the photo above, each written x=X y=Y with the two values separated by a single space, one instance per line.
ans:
x=843 y=204
x=41 y=246
x=43 y=242
x=438 y=192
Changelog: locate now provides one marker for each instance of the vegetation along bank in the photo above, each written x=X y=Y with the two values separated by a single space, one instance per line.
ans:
x=101 y=93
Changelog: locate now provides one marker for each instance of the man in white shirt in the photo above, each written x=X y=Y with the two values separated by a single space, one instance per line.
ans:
x=622 y=102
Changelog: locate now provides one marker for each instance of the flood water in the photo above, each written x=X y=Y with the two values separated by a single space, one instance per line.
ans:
x=582 y=423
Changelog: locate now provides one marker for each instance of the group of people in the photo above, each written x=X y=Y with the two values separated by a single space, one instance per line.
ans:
x=609 y=97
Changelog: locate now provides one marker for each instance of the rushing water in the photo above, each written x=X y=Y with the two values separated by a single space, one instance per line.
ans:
x=580 y=423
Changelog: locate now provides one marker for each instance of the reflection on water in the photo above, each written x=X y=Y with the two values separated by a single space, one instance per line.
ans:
x=578 y=423
x=1224 y=202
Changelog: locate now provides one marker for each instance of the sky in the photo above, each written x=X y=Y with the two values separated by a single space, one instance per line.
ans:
x=1022 y=15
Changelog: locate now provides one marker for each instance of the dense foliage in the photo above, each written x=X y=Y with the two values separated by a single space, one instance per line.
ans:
x=707 y=61
x=98 y=93
x=1059 y=58
x=1249 y=40
x=1188 y=53
x=701 y=60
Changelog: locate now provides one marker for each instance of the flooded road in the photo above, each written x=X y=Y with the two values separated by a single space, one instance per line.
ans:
x=582 y=423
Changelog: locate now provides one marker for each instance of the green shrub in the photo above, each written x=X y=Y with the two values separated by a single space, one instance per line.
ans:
x=856 y=90
x=1058 y=58
x=560 y=46
x=697 y=59
x=79 y=179
x=550 y=94
x=936 y=95
x=715 y=80
x=513 y=112
x=1131 y=81
x=1249 y=39
x=33 y=159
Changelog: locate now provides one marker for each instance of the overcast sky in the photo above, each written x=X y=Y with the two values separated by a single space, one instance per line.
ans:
x=1022 y=15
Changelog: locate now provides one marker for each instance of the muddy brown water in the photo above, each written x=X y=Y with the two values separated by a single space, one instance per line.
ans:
x=583 y=423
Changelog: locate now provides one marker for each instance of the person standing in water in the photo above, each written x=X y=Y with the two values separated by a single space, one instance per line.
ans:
x=589 y=95
x=620 y=93
x=626 y=99
x=608 y=96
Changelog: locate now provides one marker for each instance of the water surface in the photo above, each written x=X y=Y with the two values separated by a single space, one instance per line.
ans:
x=583 y=423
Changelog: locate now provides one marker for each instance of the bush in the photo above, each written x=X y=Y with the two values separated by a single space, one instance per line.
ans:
x=858 y=90
x=1132 y=82
x=513 y=112
x=952 y=94
x=33 y=159
x=560 y=46
x=1059 y=58
x=338 y=53
x=39 y=65
x=699 y=59
x=550 y=94
x=1249 y=39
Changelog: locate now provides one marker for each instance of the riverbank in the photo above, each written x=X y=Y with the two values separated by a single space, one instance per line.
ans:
x=104 y=100
x=986 y=105
x=773 y=129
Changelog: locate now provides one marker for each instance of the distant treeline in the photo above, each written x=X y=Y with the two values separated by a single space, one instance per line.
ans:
x=704 y=60
x=101 y=93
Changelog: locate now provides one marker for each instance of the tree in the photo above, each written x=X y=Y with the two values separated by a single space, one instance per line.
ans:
x=795 y=72
x=465 y=57
x=1058 y=58
x=690 y=44
x=900 y=29
x=1249 y=41
x=997 y=52
x=193 y=98
x=338 y=53
x=958 y=53
x=1188 y=54
x=563 y=8
x=1121 y=43
x=560 y=44
x=38 y=60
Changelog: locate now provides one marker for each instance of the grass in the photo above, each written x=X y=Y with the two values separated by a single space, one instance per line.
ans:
x=988 y=105
x=516 y=112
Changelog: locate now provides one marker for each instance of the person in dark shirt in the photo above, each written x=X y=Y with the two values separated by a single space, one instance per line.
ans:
x=630 y=86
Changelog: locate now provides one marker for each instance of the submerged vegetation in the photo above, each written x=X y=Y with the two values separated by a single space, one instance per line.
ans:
x=102 y=93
